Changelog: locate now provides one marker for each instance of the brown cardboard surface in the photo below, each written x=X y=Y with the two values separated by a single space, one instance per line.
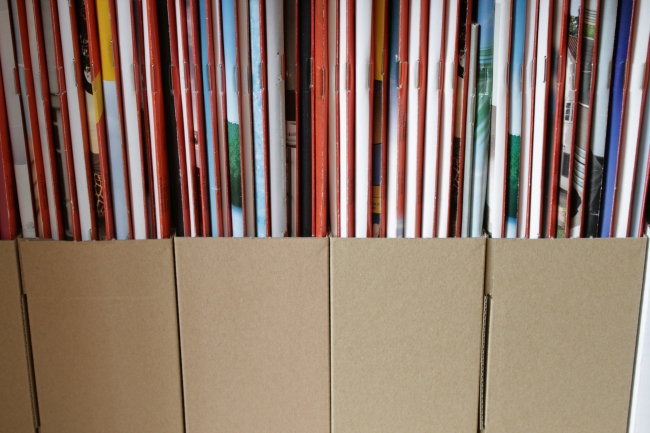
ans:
x=254 y=324
x=104 y=335
x=406 y=320
x=16 y=415
x=562 y=333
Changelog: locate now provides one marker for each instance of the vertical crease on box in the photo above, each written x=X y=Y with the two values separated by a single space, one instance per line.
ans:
x=178 y=329
x=28 y=343
x=485 y=327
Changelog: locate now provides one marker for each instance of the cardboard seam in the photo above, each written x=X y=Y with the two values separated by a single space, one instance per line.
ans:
x=29 y=359
x=178 y=329
x=487 y=302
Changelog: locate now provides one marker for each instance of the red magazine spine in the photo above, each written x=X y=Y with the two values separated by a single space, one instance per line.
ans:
x=296 y=98
x=8 y=217
x=507 y=126
x=338 y=117
x=219 y=125
x=95 y=71
x=592 y=93
x=628 y=65
x=200 y=115
x=422 y=96
x=453 y=110
x=639 y=233
x=533 y=78
x=65 y=119
x=242 y=160
x=36 y=149
x=178 y=106
x=439 y=84
x=384 y=128
x=576 y=87
x=265 y=111
x=371 y=105
x=162 y=179
x=118 y=85
x=320 y=118
x=558 y=121
x=136 y=31
x=402 y=96
x=189 y=127
x=56 y=216
x=463 y=121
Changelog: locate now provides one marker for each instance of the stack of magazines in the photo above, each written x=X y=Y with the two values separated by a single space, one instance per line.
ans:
x=140 y=119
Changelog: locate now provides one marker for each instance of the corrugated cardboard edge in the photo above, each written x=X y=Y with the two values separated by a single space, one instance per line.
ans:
x=488 y=287
x=28 y=338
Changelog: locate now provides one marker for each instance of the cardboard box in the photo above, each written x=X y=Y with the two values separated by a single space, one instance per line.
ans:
x=16 y=411
x=254 y=326
x=104 y=333
x=406 y=320
x=562 y=329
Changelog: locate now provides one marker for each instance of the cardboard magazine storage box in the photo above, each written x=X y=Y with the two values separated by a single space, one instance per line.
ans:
x=104 y=333
x=16 y=409
x=561 y=333
x=254 y=325
x=406 y=320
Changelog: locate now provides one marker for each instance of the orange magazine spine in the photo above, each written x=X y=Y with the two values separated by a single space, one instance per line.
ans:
x=507 y=126
x=55 y=213
x=95 y=71
x=118 y=85
x=338 y=116
x=36 y=146
x=402 y=100
x=189 y=127
x=647 y=174
x=200 y=114
x=350 y=102
x=219 y=124
x=65 y=118
x=422 y=96
x=320 y=117
x=558 y=121
x=162 y=176
x=8 y=221
x=533 y=78
x=576 y=88
x=384 y=128
x=439 y=84
x=178 y=106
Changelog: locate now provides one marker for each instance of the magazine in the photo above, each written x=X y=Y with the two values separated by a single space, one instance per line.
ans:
x=598 y=138
x=8 y=214
x=573 y=80
x=631 y=120
x=304 y=115
x=320 y=131
x=485 y=19
x=515 y=118
x=364 y=90
x=16 y=123
x=346 y=115
x=619 y=73
x=276 y=119
x=499 y=119
x=435 y=73
x=291 y=39
x=583 y=115
x=333 y=124
x=468 y=169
